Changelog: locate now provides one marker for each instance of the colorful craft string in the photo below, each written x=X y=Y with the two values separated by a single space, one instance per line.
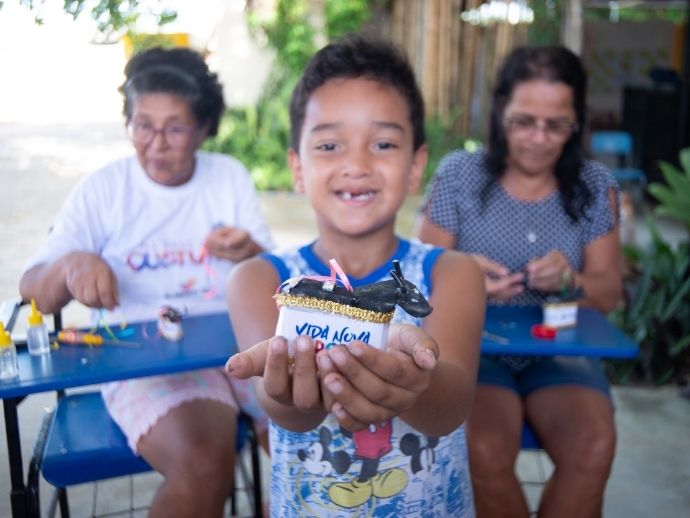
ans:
x=337 y=276
x=211 y=272
x=101 y=323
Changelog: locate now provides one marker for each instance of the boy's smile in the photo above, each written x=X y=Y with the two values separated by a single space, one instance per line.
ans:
x=356 y=161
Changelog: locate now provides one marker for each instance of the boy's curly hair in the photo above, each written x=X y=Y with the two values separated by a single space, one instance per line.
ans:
x=358 y=55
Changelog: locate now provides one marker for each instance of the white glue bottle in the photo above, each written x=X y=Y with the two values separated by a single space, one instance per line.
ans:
x=37 y=339
x=8 y=356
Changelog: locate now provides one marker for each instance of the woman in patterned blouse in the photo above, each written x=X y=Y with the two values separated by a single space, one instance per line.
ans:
x=538 y=218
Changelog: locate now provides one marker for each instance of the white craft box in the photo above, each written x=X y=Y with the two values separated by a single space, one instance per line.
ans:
x=328 y=329
x=560 y=314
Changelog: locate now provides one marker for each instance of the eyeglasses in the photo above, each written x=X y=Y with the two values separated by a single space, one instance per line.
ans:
x=176 y=135
x=558 y=130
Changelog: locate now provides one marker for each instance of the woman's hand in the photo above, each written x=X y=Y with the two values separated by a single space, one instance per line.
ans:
x=500 y=283
x=549 y=273
x=363 y=385
x=90 y=280
x=233 y=244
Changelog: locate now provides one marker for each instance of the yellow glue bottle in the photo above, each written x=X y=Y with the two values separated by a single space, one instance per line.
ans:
x=8 y=356
x=37 y=339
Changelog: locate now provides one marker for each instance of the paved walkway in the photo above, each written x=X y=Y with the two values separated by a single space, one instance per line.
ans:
x=39 y=165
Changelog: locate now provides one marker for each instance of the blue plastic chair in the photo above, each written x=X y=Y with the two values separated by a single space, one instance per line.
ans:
x=79 y=443
x=619 y=145
x=530 y=442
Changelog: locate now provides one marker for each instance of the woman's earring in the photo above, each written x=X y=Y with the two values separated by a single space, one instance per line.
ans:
x=299 y=186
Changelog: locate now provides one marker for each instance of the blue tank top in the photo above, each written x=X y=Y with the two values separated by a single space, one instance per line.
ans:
x=389 y=469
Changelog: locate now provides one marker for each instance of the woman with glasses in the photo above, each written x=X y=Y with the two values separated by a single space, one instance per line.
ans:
x=161 y=228
x=539 y=219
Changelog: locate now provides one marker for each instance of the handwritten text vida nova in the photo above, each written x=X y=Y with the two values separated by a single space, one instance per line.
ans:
x=324 y=339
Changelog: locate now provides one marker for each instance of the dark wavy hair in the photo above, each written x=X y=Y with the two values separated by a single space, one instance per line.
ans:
x=358 y=55
x=178 y=71
x=553 y=64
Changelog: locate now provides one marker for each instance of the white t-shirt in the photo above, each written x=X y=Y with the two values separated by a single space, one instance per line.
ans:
x=152 y=235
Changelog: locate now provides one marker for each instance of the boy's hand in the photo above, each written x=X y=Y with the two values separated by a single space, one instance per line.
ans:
x=90 y=280
x=293 y=385
x=249 y=363
x=233 y=244
x=366 y=385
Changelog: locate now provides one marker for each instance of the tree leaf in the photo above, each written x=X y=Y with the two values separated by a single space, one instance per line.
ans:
x=679 y=346
x=641 y=294
x=684 y=156
x=679 y=298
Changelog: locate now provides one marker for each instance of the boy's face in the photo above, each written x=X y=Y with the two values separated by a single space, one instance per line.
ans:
x=356 y=161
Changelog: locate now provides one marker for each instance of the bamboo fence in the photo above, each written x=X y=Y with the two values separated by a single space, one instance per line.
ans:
x=455 y=61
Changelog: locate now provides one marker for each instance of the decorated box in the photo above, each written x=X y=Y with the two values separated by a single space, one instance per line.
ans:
x=331 y=312
x=560 y=313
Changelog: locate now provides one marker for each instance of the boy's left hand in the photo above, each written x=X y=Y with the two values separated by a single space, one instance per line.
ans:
x=364 y=385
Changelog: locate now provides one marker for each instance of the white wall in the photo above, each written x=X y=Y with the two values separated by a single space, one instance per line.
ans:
x=240 y=62
x=52 y=73
x=620 y=54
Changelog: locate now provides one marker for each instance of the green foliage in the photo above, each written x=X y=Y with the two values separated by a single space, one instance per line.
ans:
x=345 y=17
x=259 y=137
x=143 y=41
x=657 y=316
x=546 y=27
x=290 y=33
x=673 y=14
x=110 y=15
x=674 y=198
x=441 y=138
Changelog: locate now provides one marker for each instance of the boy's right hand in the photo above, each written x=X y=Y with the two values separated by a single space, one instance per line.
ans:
x=296 y=385
x=500 y=283
x=90 y=280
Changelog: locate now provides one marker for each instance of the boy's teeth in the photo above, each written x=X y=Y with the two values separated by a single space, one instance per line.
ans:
x=349 y=196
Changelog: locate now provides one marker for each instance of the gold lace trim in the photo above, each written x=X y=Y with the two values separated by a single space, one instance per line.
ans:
x=328 y=306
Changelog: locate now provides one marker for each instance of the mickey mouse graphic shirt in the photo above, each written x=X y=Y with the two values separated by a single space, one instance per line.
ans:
x=387 y=470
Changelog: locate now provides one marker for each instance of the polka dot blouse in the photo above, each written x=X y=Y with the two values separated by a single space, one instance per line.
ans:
x=510 y=231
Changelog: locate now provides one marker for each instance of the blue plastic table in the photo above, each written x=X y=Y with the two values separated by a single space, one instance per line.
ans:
x=208 y=341
x=507 y=331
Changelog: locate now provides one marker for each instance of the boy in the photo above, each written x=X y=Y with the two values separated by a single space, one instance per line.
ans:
x=358 y=431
